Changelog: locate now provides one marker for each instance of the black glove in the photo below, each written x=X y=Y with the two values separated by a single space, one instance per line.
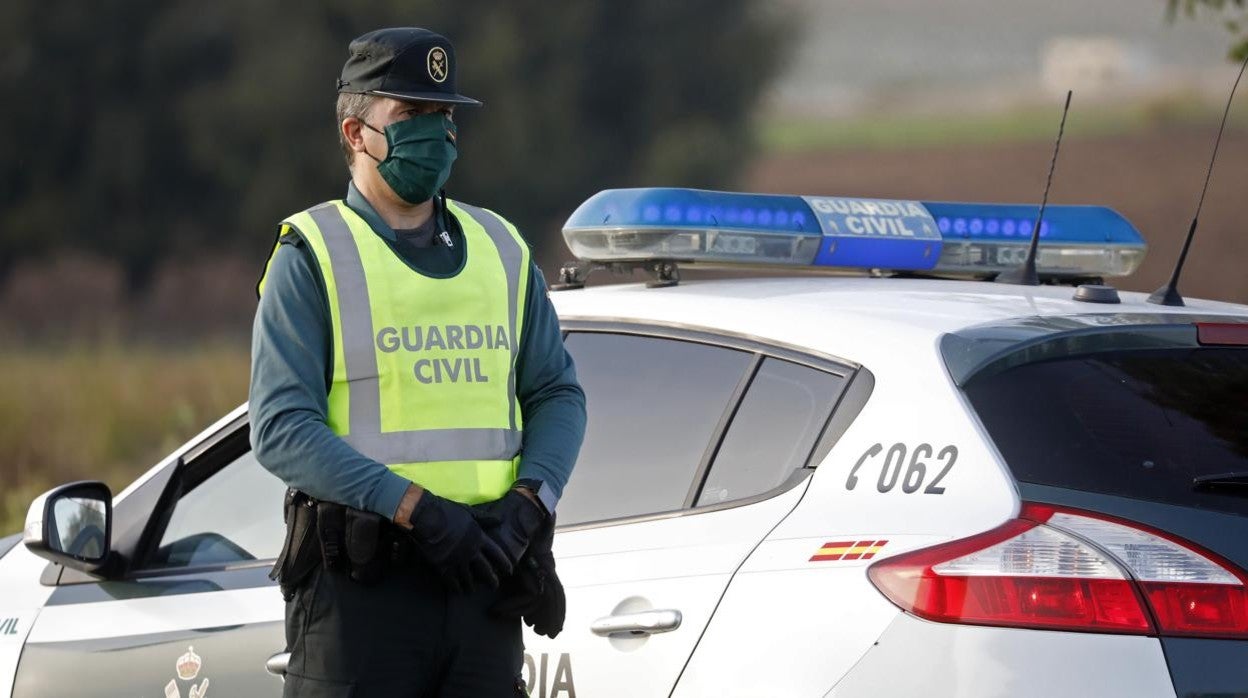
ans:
x=451 y=537
x=519 y=518
x=534 y=593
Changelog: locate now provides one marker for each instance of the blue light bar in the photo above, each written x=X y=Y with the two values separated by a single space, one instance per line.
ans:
x=1074 y=240
x=695 y=226
x=682 y=208
x=1088 y=224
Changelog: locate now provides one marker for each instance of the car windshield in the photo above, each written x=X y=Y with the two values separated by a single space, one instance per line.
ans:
x=1140 y=424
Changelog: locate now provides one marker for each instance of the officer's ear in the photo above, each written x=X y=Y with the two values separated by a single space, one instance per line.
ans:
x=353 y=133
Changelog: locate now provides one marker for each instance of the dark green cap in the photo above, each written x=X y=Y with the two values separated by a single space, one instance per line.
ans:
x=406 y=63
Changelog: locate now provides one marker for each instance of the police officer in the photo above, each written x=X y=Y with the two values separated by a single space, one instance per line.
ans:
x=408 y=370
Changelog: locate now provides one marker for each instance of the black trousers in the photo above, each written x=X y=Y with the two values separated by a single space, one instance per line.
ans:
x=405 y=636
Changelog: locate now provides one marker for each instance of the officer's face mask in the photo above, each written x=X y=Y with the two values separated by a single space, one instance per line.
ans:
x=421 y=152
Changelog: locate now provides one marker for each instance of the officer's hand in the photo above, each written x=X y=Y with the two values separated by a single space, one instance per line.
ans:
x=534 y=593
x=452 y=539
x=546 y=616
x=519 y=518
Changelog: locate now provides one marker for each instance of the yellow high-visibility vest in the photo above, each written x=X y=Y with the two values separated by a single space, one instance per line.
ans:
x=424 y=368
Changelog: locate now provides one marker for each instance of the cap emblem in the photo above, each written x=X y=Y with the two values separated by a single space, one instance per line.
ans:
x=436 y=62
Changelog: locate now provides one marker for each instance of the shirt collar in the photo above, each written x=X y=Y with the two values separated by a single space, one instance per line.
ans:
x=356 y=202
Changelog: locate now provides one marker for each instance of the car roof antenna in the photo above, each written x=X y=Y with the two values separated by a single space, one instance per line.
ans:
x=1169 y=294
x=1025 y=273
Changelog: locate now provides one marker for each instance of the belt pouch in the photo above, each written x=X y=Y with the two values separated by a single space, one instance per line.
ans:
x=331 y=528
x=364 y=546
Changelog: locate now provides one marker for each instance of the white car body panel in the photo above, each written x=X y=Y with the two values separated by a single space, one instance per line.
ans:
x=918 y=658
x=681 y=563
x=159 y=614
x=745 y=653
x=22 y=599
x=881 y=323
x=919 y=406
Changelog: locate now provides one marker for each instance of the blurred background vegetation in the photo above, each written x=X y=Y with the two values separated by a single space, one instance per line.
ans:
x=151 y=147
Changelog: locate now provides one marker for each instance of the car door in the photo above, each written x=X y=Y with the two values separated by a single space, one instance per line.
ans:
x=695 y=449
x=193 y=607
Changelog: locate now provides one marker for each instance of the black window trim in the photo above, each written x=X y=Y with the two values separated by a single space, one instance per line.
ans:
x=719 y=338
x=859 y=384
x=198 y=462
x=720 y=430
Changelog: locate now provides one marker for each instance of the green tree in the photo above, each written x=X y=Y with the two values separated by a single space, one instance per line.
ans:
x=1233 y=13
x=156 y=127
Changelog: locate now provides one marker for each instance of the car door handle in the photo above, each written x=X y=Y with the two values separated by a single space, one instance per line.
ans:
x=642 y=623
x=276 y=665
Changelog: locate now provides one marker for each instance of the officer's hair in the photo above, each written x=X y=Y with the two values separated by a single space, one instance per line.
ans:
x=351 y=105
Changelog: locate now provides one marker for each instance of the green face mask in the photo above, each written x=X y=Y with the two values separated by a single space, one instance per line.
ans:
x=421 y=152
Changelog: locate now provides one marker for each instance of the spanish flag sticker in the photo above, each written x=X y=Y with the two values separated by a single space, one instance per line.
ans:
x=848 y=550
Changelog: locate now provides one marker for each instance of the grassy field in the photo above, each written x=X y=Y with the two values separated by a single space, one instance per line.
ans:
x=104 y=413
x=883 y=131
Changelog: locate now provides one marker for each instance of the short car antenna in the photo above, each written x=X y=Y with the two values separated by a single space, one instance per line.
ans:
x=1025 y=274
x=1169 y=294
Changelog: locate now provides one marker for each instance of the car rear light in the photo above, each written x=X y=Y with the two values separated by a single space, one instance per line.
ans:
x=1063 y=569
x=1192 y=592
x=1022 y=575
x=1222 y=333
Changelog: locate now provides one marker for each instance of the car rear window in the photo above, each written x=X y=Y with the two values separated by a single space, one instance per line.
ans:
x=1140 y=424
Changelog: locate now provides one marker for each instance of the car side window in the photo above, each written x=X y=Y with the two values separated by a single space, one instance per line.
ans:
x=653 y=405
x=233 y=516
x=773 y=431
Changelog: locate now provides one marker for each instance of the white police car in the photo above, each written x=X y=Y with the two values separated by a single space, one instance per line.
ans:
x=796 y=486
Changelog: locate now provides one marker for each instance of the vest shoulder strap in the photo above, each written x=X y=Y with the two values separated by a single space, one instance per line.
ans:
x=295 y=227
x=512 y=250
x=495 y=225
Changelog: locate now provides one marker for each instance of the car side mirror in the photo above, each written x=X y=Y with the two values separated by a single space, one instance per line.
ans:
x=72 y=525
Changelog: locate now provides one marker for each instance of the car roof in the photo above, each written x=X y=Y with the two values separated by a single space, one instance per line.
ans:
x=851 y=318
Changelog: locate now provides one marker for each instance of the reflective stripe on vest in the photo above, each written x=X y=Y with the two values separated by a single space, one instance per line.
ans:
x=425 y=368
